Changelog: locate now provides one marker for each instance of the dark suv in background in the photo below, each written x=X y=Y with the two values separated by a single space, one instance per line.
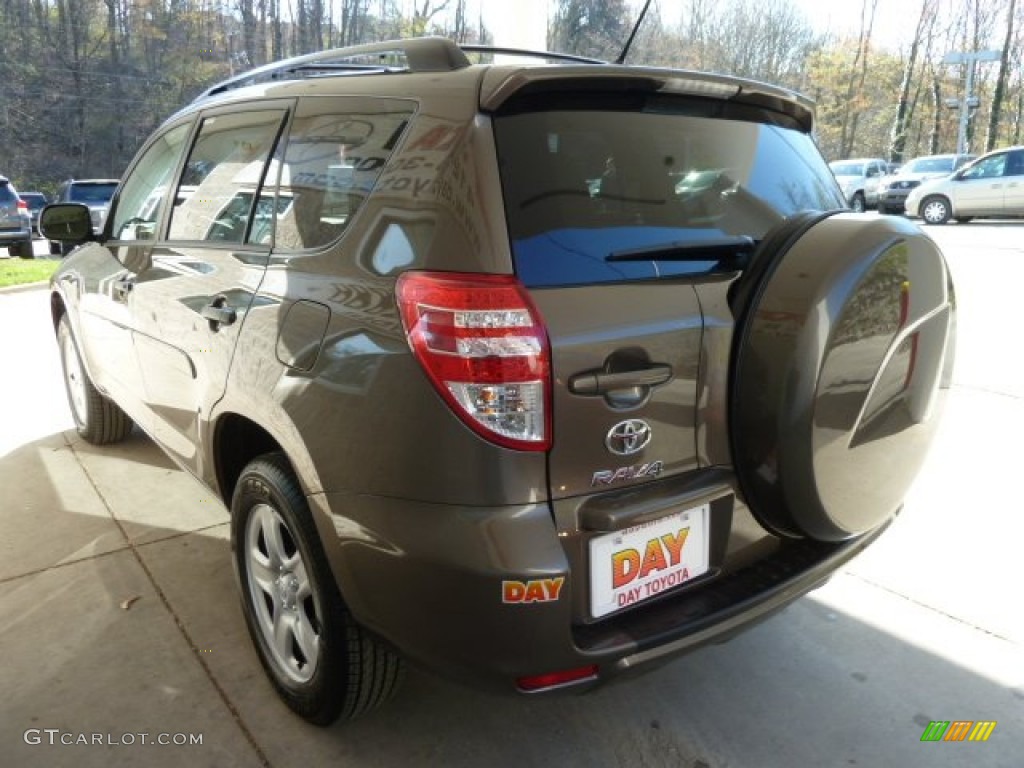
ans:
x=15 y=221
x=483 y=382
x=36 y=201
x=93 y=193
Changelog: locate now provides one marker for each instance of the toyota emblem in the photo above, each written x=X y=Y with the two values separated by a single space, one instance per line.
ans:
x=628 y=437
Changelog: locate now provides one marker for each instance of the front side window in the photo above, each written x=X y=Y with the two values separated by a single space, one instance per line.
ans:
x=988 y=168
x=224 y=176
x=583 y=188
x=138 y=207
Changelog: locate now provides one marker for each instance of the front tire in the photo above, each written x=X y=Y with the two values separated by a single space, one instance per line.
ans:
x=322 y=663
x=98 y=419
x=935 y=210
x=858 y=203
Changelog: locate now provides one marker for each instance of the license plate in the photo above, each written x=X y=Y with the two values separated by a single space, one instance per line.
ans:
x=635 y=564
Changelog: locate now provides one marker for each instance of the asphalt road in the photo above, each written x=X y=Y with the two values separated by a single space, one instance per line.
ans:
x=120 y=615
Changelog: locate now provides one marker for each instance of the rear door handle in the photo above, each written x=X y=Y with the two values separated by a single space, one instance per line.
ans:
x=123 y=287
x=591 y=383
x=218 y=312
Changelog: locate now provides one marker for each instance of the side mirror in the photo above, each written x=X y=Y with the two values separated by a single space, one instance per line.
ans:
x=66 y=223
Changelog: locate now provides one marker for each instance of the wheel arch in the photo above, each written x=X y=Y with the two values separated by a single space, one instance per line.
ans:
x=57 y=308
x=237 y=441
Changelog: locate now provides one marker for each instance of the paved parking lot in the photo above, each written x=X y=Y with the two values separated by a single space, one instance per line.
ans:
x=121 y=623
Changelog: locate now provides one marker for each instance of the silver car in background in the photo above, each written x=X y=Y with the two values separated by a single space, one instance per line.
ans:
x=15 y=221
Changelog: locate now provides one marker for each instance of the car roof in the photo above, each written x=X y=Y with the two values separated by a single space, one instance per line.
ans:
x=438 y=67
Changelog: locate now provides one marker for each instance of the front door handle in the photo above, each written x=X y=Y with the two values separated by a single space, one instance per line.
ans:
x=218 y=312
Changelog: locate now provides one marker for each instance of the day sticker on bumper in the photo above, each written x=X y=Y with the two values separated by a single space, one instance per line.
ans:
x=633 y=565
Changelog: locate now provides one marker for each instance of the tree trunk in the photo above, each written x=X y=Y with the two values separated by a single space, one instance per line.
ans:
x=997 y=97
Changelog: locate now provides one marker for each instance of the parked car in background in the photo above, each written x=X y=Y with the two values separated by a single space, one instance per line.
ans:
x=94 y=193
x=894 y=189
x=859 y=179
x=534 y=374
x=15 y=221
x=990 y=186
x=36 y=202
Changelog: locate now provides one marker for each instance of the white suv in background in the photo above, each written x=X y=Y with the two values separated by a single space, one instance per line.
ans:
x=860 y=179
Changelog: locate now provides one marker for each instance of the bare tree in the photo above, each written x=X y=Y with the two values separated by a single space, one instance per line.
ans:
x=857 y=75
x=904 y=110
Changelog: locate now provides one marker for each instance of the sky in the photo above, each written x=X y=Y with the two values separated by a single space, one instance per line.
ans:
x=522 y=23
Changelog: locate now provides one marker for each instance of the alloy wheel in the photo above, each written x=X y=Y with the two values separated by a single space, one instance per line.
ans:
x=282 y=594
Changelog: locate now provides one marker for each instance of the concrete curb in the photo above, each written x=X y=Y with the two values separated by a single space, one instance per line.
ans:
x=24 y=287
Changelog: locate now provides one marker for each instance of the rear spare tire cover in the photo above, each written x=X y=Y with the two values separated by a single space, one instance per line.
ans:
x=841 y=359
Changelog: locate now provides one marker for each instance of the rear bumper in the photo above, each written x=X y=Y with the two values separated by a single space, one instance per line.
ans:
x=15 y=235
x=433 y=581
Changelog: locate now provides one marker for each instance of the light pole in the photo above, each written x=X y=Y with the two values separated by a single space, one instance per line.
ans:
x=969 y=100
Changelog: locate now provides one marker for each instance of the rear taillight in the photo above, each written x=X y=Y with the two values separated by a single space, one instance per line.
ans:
x=22 y=206
x=484 y=347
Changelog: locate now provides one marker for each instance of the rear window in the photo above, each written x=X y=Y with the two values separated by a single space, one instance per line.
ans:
x=583 y=184
x=91 y=193
x=7 y=194
x=931 y=165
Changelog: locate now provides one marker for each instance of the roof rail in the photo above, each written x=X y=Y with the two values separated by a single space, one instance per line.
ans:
x=422 y=54
x=550 y=55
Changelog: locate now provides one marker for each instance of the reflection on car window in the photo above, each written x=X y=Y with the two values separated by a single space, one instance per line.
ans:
x=137 y=209
x=224 y=173
x=580 y=185
x=336 y=152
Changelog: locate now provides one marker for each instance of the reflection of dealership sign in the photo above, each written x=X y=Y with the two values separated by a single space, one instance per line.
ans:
x=432 y=167
x=357 y=173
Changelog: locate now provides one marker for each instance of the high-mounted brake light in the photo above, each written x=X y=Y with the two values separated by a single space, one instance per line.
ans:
x=482 y=343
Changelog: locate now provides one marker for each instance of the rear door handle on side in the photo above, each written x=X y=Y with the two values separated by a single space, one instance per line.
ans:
x=219 y=313
x=590 y=383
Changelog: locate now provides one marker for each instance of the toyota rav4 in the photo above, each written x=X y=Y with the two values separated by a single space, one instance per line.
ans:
x=483 y=385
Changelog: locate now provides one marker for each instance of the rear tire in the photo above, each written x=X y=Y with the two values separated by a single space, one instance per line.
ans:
x=322 y=663
x=23 y=250
x=98 y=419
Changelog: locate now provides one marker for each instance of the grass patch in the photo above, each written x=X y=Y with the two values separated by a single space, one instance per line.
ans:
x=21 y=271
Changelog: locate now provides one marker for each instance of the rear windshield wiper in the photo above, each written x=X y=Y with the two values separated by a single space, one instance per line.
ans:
x=731 y=253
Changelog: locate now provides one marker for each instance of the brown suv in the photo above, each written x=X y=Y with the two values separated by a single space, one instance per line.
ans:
x=488 y=380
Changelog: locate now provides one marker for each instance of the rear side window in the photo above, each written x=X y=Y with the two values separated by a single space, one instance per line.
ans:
x=584 y=184
x=336 y=150
x=7 y=194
